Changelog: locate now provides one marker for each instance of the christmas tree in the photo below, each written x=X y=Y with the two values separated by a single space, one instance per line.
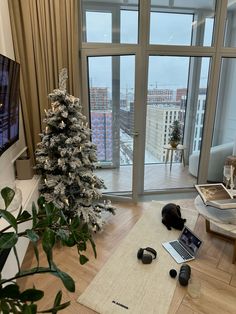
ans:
x=66 y=159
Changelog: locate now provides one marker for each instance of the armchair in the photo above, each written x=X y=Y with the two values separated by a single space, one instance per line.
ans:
x=218 y=156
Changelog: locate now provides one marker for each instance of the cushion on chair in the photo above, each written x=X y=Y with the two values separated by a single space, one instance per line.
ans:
x=218 y=155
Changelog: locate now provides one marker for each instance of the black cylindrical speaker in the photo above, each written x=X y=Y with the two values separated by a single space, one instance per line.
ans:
x=184 y=274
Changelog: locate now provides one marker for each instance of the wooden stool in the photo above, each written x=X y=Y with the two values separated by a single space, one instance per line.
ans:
x=170 y=150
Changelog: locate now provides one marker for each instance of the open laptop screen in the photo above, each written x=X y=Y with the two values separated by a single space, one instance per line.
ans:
x=190 y=241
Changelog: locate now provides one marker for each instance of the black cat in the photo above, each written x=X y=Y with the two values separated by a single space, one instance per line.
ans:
x=171 y=216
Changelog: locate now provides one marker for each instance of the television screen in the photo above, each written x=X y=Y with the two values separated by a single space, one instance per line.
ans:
x=9 y=102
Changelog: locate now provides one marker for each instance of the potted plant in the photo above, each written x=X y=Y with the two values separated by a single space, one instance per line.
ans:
x=175 y=134
x=49 y=226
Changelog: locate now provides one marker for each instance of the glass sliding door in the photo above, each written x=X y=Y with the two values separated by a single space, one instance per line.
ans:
x=111 y=102
x=177 y=91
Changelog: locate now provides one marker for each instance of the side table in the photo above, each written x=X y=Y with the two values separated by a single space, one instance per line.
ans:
x=170 y=150
x=225 y=220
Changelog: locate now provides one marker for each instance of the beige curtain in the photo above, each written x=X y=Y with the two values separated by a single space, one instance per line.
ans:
x=46 y=39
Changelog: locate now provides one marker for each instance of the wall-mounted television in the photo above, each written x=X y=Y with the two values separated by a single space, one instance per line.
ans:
x=9 y=102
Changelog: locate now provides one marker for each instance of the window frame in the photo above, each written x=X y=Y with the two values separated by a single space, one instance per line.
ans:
x=142 y=50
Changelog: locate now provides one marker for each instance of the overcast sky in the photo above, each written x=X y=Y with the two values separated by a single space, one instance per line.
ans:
x=164 y=71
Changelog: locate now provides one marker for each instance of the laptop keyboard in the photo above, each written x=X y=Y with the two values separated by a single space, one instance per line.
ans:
x=182 y=252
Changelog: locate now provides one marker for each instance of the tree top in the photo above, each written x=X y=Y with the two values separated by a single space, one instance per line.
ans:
x=63 y=76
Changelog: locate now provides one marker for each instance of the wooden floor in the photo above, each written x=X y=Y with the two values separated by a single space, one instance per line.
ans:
x=156 y=177
x=213 y=267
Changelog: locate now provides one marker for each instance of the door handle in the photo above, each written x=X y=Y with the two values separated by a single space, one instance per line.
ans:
x=135 y=133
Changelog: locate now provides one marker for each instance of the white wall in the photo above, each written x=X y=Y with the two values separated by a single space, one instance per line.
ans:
x=7 y=176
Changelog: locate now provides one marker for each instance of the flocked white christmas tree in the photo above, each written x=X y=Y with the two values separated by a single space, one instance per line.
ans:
x=66 y=159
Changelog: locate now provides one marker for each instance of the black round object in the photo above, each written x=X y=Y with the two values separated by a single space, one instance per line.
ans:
x=140 y=253
x=144 y=255
x=146 y=259
x=173 y=273
x=184 y=274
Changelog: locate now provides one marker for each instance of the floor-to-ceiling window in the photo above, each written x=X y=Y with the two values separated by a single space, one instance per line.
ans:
x=147 y=64
x=177 y=91
x=111 y=99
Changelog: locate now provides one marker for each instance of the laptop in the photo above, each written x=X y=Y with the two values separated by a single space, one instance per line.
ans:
x=185 y=248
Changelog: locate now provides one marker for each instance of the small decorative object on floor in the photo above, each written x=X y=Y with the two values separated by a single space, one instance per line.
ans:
x=173 y=273
x=184 y=274
x=171 y=216
x=66 y=160
x=145 y=256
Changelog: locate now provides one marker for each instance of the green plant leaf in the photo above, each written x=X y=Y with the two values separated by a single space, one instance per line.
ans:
x=66 y=279
x=70 y=241
x=48 y=241
x=16 y=256
x=57 y=300
x=10 y=291
x=8 y=240
x=93 y=246
x=62 y=235
x=83 y=259
x=33 y=271
x=19 y=212
x=34 y=215
x=62 y=220
x=50 y=213
x=7 y=195
x=26 y=309
x=49 y=208
x=81 y=246
x=9 y=218
x=41 y=202
x=33 y=308
x=36 y=252
x=43 y=223
x=32 y=235
x=4 y=307
x=85 y=229
x=75 y=223
x=78 y=235
x=31 y=295
x=29 y=309
x=24 y=216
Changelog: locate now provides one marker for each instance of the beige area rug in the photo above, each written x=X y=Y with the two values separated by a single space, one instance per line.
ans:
x=124 y=284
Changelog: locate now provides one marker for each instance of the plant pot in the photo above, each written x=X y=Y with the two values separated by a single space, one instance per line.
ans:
x=174 y=144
